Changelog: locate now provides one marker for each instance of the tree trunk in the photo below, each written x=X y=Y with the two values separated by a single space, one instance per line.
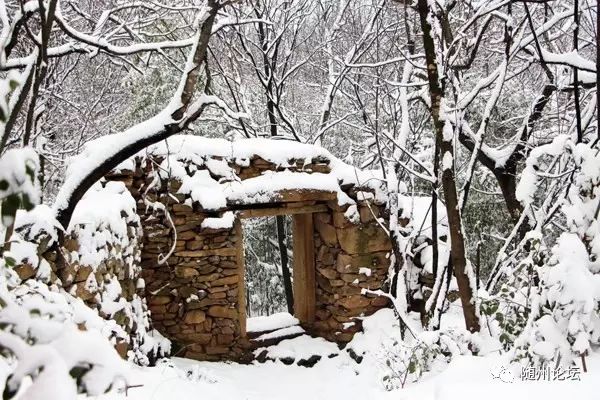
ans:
x=457 y=248
x=285 y=270
x=65 y=211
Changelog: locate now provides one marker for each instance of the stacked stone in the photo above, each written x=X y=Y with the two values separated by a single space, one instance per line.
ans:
x=89 y=282
x=194 y=295
x=350 y=257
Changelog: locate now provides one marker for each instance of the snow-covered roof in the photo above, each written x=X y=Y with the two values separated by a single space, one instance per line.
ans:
x=212 y=170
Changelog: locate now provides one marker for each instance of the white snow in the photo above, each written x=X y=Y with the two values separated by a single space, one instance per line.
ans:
x=271 y=322
x=18 y=169
x=447 y=161
x=302 y=347
x=224 y=222
x=217 y=186
x=417 y=209
x=290 y=330
x=465 y=377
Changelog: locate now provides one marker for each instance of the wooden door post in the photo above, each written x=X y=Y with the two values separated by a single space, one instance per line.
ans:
x=304 y=268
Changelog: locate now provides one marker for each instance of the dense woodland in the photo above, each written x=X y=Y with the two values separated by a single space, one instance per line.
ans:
x=486 y=111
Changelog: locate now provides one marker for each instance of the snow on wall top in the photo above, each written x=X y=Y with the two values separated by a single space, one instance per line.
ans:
x=215 y=184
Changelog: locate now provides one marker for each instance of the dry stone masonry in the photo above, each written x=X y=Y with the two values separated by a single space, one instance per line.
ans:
x=191 y=196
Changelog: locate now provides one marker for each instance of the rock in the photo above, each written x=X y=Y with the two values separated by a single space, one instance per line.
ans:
x=223 y=312
x=194 y=317
x=225 y=339
x=368 y=213
x=25 y=271
x=362 y=240
x=83 y=273
x=200 y=338
x=185 y=272
x=353 y=302
x=217 y=350
x=158 y=300
x=380 y=301
x=230 y=280
x=326 y=231
x=328 y=273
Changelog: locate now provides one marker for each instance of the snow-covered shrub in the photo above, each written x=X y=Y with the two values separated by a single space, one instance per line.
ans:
x=407 y=361
x=56 y=341
x=565 y=309
x=19 y=187
x=565 y=317
x=46 y=347
x=103 y=267
x=506 y=312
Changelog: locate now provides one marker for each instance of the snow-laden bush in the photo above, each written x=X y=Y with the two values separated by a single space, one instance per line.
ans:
x=103 y=267
x=53 y=345
x=48 y=349
x=407 y=361
x=506 y=312
x=565 y=307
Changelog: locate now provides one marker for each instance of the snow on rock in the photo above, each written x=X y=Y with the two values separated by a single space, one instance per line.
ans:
x=300 y=348
x=224 y=222
x=99 y=228
x=50 y=332
x=283 y=332
x=271 y=322
x=216 y=184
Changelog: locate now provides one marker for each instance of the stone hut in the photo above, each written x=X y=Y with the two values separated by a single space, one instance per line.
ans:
x=192 y=194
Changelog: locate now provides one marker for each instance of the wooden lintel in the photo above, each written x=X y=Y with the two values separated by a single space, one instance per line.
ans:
x=274 y=211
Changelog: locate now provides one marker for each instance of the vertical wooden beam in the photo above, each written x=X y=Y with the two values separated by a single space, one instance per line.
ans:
x=304 y=268
x=241 y=267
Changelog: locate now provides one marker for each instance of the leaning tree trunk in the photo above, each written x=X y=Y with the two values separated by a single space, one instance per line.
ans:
x=73 y=193
x=457 y=247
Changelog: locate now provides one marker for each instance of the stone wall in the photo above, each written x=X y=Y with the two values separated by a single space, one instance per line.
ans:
x=99 y=263
x=350 y=257
x=194 y=273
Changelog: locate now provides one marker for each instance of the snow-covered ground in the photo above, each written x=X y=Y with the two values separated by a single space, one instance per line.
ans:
x=340 y=377
x=466 y=378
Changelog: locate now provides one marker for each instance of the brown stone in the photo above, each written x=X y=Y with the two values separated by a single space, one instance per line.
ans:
x=200 y=338
x=364 y=239
x=368 y=213
x=351 y=277
x=328 y=273
x=226 y=251
x=158 y=300
x=185 y=272
x=194 y=317
x=25 y=271
x=224 y=339
x=207 y=278
x=352 y=302
x=353 y=263
x=326 y=231
x=83 y=273
x=217 y=350
x=223 y=312
x=380 y=301
x=230 y=280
